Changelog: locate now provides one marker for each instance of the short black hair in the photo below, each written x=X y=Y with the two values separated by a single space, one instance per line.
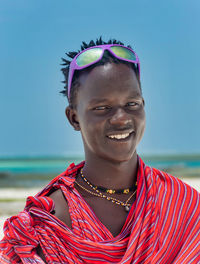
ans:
x=107 y=57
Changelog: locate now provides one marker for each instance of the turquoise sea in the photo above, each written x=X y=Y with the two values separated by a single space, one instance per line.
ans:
x=37 y=171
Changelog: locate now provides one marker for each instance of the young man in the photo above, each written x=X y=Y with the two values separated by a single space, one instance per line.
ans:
x=112 y=208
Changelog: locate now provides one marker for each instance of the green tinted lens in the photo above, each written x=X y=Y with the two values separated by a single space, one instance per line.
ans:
x=123 y=53
x=88 y=56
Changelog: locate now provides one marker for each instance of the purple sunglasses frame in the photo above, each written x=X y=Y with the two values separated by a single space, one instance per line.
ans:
x=73 y=65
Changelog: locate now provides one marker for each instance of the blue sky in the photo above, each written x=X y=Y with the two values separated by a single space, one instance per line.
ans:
x=36 y=34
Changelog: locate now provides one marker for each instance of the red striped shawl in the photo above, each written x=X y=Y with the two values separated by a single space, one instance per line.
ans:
x=163 y=226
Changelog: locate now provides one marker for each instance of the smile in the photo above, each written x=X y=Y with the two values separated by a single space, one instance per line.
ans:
x=119 y=136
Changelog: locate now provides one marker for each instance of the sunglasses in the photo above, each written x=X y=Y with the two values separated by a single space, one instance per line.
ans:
x=94 y=54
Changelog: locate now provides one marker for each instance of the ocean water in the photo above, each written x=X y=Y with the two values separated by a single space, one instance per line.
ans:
x=37 y=171
x=42 y=165
x=32 y=172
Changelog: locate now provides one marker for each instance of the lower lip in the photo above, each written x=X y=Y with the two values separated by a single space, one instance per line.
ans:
x=122 y=139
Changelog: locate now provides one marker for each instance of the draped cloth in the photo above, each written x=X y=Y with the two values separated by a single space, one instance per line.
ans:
x=163 y=225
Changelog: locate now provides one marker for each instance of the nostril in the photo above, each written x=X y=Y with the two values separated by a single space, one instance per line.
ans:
x=120 y=117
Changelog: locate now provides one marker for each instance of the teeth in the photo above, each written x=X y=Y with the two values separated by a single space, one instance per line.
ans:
x=120 y=136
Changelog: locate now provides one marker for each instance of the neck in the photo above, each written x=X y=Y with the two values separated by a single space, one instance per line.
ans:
x=111 y=174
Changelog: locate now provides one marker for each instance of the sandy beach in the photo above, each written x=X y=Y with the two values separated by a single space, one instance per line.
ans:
x=12 y=200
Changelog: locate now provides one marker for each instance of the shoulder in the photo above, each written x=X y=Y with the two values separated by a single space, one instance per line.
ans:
x=61 y=208
x=54 y=191
x=66 y=178
x=170 y=181
x=174 y=190
x=51 y=197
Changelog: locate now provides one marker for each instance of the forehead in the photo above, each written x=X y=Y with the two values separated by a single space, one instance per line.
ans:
x=108 y=80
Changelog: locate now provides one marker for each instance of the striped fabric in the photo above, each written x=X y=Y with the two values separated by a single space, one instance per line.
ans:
x=163 y=226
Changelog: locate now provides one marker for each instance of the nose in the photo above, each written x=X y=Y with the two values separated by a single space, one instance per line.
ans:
x=120 y=118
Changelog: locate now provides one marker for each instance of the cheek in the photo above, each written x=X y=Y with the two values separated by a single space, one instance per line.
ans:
x=89 y=128
x=141 y=122
x=143 y=119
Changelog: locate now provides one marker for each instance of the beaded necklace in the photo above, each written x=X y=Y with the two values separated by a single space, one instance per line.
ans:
x=103 y=189
x=98 y=193
x=126 y=205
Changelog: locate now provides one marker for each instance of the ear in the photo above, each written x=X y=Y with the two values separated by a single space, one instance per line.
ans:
x=72 y=117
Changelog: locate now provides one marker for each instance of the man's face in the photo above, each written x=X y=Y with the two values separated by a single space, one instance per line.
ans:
x=110 y=112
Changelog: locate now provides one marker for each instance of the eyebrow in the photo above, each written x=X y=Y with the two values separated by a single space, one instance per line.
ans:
x=97 y=101
x=137 y=96
x=104 y=100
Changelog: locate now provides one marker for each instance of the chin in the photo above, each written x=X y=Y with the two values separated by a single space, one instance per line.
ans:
x=120 y=157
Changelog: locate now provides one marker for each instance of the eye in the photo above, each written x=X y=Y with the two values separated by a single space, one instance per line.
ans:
x=133 y=105
x=101 y=108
